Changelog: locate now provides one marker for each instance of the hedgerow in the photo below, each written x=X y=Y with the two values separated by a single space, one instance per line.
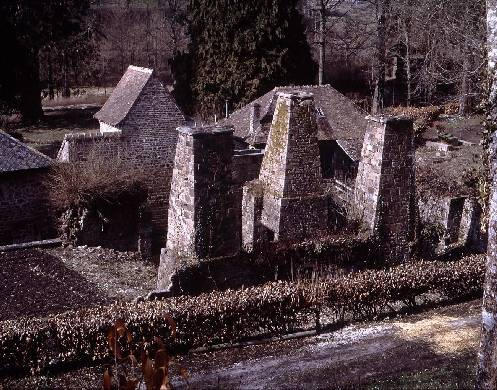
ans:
x=230 y=316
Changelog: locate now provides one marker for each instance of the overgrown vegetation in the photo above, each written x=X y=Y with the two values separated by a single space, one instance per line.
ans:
x=90 y=188
x=233 y=315
x=422 y=117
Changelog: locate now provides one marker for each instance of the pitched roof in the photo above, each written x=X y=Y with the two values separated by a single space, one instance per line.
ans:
x=124 y=96
x=16 y=156
x=338 y=117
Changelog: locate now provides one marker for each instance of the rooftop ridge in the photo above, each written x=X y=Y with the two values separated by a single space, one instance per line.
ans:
x=31 y=149
x=141 y=69
x=43 y=160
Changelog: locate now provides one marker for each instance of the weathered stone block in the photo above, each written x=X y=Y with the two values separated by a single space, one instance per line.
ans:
x=294 y=207
x=385 y=184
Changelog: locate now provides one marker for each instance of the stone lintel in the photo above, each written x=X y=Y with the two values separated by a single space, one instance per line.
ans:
x=205 y=130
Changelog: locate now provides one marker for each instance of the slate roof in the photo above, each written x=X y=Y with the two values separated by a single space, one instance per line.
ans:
x=124 y=96
x=337 y=116
x=16 y=156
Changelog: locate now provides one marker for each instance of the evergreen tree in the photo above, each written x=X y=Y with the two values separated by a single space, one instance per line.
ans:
x=27 y=27
x=241 y=49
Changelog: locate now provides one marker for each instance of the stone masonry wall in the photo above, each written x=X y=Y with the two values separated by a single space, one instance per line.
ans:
x=246 y=165
x=24 y=207
x=204 y=218
x=203 y=222
x=294 y=205
x=459 y=217
x=147 y=141
x=385 y=186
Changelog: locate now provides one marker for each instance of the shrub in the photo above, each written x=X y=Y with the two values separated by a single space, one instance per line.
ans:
x=99 y=178
x=87 y=192
x=233 y=315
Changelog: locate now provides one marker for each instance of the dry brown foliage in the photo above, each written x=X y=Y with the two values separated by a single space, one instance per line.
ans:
x=233 y=315
x=96 y=179
x=156 y=362
x=423 y=117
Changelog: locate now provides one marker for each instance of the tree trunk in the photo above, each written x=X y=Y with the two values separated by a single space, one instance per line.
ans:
x=382 y=7
x=30 y=91
x=465 y=90
x=487 y=362
x=51 y=92
x=66 y=92
x=322 y=40
x=407 y=59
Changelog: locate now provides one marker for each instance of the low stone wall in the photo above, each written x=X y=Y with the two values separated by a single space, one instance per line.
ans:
x=458 y=217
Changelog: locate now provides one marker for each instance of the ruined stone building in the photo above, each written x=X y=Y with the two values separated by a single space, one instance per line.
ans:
x=266 y=172
x=341 y=127
x=137 y=125
x=341 y=134
x=25 y=213
x=287 y=202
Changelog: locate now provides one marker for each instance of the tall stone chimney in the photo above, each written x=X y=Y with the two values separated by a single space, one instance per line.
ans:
x=255 y=116
x=385 y=184
x=203 y=222
x=295 y=206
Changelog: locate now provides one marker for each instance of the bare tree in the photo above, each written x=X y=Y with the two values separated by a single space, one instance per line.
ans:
x=382 y=12
x=487 y=359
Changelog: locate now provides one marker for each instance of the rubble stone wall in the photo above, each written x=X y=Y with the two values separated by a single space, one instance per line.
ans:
x=294 y=206
x=203 y=218
x=24 y=207
x=385 y=185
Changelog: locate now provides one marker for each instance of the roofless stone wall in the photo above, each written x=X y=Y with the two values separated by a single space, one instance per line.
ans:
x=294 y=206
x=385 y=185
x=204 y=222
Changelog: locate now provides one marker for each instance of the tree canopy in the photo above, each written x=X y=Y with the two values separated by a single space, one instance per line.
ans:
x=239 y=50
x=28 y=26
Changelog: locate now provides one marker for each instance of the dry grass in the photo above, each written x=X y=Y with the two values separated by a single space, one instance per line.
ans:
x=445 y=334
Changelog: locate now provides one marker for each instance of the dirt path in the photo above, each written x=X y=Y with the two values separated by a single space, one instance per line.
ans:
x=382 y=353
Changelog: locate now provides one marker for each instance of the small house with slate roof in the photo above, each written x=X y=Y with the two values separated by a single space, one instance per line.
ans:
x=137 y=124
x=341 y=127
x=24 y=206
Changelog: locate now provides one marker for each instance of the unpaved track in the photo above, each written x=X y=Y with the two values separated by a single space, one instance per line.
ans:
x=353 y=356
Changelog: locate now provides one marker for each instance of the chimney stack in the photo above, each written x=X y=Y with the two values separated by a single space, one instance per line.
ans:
x=255 y=116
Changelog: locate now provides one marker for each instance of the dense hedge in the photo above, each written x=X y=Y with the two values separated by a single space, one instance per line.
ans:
x=221 y=317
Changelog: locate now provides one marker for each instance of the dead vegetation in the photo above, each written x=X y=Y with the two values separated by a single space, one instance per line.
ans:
x=423 y=117
x=156 y=369
x=97 y=179
x=88 y=193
